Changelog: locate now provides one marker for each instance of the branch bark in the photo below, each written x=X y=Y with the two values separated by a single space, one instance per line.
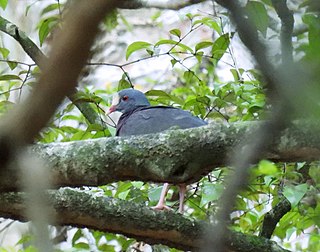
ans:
x=79 y=208
x=174 y=156
x=287 y=21
x=272 y=217
x=159 y=4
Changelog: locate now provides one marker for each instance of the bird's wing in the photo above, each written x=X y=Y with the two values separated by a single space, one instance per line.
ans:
x=152 y=119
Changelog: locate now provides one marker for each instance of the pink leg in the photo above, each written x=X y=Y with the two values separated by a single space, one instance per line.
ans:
x=182 y=193
x=162 y=201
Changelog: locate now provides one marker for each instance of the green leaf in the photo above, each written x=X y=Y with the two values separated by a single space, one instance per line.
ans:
x=220 y=46
x=6 y=77
x=203 y=44
x=188 y=76
x=176 y=32
x=173 y=62
x=172 y=42
x=295 y=193
x=76 y=236
x=5 y=52
x=210 y=23
x=150 y=52
x=107 y=247
x=258 y=14
x=123 y=190
x=45 y=28
x=123 y=195
x=135 y=46
x=123 y=83
x=211 y=192
x=154 y=193
x=3 y=4
x=137 y=184
x=111 y=20
x=266 y=167
x=25 y=239
x=12 y=65
x=157 y=93
x=49 y=8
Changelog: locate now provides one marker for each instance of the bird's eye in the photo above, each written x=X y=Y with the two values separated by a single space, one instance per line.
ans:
x=124 y=98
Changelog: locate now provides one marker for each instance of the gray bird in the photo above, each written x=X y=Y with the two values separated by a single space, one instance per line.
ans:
x=139 y=117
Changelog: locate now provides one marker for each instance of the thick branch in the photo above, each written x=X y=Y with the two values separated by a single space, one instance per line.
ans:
x=173 y=156
x=159 y=4
x=83 y=209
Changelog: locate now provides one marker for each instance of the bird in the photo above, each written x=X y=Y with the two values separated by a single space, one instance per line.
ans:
x=139 y=117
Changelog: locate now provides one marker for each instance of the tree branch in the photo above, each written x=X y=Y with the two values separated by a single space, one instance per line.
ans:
x=37 y=56
x=69 y=53
x=272 y=217
x=159 y=4
x=174 y=156
x=79 y=208
x=287 y=22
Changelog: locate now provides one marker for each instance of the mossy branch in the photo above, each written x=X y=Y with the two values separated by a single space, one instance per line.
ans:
x=79 y=208
x=174 y=156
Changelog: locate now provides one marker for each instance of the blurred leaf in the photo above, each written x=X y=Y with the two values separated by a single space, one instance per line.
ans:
x=76 y=236
x=81 y=245
x=123 y=189
x=9 y=77
x=12 y=65
x=50 y=7
x=258 y=14
x=3 y=4
x=107 y=248
x=188 y=76
x=137 y=184
x=157 y=93
x=25 y=239
x=266 y=167
x=111 y=20
x=135 y=46
x=154 y=193
x=176 y=32
x=211 y=192
x=123 y=83
x=173 y=62
x=45 y=27
x=220 y=46
x=203 y=44
x=172 y=42
x=210 y=23
x=295 y=193
x=5 y=52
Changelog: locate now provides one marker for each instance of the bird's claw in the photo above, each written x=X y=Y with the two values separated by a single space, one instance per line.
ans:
x=161 y=207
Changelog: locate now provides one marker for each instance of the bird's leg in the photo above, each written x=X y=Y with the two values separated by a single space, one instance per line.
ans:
x=182 y=193
x=162 y=201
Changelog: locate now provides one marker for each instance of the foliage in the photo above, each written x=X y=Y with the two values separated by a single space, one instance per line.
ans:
x=200 y=90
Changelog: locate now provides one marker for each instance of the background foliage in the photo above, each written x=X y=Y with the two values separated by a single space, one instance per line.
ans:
x=199 y=89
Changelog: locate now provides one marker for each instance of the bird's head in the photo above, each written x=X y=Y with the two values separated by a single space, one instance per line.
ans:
x=127 y=100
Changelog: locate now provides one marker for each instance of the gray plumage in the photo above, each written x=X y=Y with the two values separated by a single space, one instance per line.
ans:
x=140 y=118
x=152 y=119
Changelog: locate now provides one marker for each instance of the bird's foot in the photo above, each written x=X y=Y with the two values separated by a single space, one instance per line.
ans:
x=161 y=207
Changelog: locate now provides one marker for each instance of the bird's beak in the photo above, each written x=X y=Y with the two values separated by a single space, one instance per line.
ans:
x=111 y=109
x=115 y=102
